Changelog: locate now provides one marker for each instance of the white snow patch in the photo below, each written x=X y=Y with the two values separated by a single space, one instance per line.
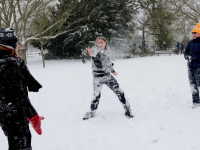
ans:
x=158 y=91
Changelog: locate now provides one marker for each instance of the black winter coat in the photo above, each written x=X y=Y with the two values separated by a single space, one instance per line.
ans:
x=193 y=50
x=15 y=106
x=27 y=79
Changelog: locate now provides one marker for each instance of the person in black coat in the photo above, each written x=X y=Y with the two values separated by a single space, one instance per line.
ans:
x=192 y=54
x=16 y=110
x=182 y=47
x=83 y=57
x=178 y=47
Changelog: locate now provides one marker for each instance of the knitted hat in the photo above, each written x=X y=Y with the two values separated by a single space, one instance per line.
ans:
x=8 y=37
x=196 y=28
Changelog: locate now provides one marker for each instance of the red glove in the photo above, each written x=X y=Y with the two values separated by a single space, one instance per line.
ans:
x=36 y=123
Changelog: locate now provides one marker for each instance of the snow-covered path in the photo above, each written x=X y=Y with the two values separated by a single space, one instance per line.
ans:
x=158 y=91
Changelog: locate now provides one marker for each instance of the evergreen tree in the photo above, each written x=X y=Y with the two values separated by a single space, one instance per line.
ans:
x=112 y=19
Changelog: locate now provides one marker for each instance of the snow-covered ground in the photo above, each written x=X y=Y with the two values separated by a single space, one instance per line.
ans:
x=158 y=91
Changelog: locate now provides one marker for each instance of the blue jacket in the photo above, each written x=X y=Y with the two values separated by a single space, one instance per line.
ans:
x=192 y=53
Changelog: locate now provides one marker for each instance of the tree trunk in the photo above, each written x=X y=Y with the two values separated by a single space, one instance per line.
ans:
x=42 y=55
x=143 y=41
x=23 y=53
x=185 y=41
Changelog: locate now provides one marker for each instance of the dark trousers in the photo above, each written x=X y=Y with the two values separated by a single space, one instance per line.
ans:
x=194 y=78
x=112 y=83
x=181 y=51
x=18 y=138
x=83 y=60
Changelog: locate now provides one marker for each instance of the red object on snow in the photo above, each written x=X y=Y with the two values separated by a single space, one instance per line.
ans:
x=36 y=123
x=176 y=51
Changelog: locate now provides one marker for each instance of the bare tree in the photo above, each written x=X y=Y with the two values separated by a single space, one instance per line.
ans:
x=183 y=26
x=158 y=20
x=142 y=25
x=188 y=8
x=21 y=15
x=187 y=15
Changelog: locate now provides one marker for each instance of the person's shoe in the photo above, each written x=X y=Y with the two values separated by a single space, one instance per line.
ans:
x=128 y=113
x=196 y=104
x=88 y=115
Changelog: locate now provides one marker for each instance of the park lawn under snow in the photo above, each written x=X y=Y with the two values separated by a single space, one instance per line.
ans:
x=158 y=91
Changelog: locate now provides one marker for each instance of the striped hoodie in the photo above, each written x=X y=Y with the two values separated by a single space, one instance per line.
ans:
x=101 y=61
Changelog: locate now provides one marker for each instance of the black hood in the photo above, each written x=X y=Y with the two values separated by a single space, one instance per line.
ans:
x=4 y=53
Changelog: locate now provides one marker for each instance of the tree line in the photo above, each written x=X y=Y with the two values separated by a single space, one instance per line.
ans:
x=66 y=27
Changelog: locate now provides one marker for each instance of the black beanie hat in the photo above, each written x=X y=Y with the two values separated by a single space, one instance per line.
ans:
x=8 y=37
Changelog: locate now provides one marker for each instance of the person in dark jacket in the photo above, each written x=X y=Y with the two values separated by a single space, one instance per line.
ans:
x=182 y=47
x=178 y=47
x=83 y=57
x=192 y=54
x=16 y=110
x=102 y=69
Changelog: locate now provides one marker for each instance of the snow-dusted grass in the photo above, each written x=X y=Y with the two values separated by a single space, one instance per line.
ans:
x=158 y=91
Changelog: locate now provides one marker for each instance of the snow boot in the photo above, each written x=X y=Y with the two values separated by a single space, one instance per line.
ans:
x=88 y=115
x=195 y=105
x=128 y=113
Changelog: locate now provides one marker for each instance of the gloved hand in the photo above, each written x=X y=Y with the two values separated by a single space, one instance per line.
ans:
x=36 y=123
x=193 y=56
x=189 y=56
x=33 y=88
x=186 y=56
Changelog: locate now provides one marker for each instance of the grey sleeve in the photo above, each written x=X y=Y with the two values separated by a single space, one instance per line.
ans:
x=94 y=51
x=108 y=65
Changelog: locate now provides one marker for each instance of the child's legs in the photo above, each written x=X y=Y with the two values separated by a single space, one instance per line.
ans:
x=97 y=87
x=18 y=138
x=114 y=86
x=194 y=79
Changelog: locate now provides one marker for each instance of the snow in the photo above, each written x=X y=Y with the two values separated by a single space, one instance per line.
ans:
x=157 y=88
